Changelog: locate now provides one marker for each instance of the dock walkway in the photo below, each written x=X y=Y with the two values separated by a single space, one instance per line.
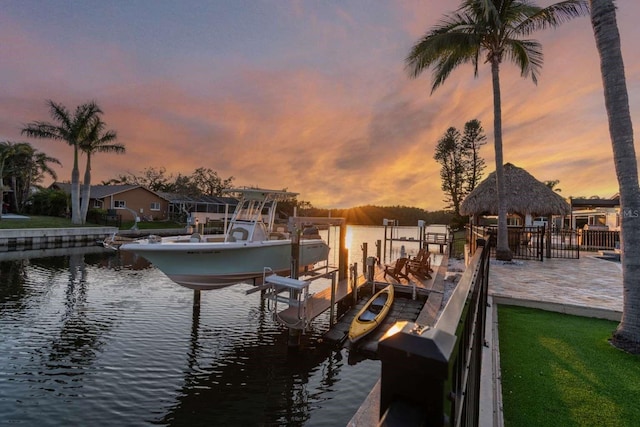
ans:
x=409 y=304
x=317 y=303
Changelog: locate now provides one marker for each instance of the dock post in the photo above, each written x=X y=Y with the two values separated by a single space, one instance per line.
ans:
x=354 y=282
x=294 y=338
x=379 y=250
x=295 y=252
x=385 y=222
x=332 y=316
x=343 y=254
x=196 y=298
x=364 y=247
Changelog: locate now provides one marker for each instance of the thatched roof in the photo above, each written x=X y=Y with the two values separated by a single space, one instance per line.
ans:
x=524 y=194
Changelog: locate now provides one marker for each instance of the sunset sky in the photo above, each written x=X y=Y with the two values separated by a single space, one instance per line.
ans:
x=311 y=96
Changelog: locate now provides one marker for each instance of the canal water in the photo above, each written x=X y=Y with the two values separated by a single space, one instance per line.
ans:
x=97 y=337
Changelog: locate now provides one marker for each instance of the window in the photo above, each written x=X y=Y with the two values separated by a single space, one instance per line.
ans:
x=155 y=206
x=97 y=204
x=119 y=204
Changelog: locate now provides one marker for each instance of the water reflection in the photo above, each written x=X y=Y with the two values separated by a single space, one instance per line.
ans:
x=101 y=337
x=259 y=381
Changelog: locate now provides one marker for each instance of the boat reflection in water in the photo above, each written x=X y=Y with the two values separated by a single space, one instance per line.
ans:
x=99 y=337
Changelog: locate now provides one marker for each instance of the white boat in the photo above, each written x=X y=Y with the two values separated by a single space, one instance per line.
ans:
x=249 y=247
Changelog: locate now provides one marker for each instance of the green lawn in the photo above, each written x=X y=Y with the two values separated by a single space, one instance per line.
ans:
x=560 y=370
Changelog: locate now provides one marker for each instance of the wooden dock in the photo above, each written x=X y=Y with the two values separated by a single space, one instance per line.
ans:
x=318 y=303
x=416 y=300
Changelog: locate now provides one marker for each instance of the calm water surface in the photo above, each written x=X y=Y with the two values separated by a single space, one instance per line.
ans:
x=96 y=337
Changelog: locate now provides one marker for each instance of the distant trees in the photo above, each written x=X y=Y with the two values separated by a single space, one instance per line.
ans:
x=374 y=215
x=461 y=166
x=202 y=182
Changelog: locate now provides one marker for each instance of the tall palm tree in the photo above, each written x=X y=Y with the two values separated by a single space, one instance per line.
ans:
x=72 y=129
x=97 y=141
x=605 y=29
x=496 y=29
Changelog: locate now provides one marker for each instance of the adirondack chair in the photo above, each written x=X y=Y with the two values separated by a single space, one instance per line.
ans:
x=396 y=270
x=420 y=267
x=423 y=256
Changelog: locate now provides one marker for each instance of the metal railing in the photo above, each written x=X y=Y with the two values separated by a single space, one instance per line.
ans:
x=431 y=375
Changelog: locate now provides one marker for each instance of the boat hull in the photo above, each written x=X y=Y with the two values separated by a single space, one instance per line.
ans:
x=203 y=265
x=371 y=314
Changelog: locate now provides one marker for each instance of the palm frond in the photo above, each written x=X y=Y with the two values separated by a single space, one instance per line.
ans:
x=553 y=16
x=527 y=55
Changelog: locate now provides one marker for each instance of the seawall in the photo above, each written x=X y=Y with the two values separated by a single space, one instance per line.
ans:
x=28 y=238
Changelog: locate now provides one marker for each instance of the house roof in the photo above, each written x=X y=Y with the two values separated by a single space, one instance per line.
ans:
x=524 y=195
x=595 y=203
x=179 y=198
x=102 y=191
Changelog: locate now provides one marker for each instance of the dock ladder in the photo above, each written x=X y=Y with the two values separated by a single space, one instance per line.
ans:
x=298 y=296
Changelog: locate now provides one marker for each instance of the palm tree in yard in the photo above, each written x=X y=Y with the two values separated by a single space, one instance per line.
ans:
x=497 y=30
x=605 y=29
x=28 y=168
x=97 y=141
x=73 y=129
x=7 y=149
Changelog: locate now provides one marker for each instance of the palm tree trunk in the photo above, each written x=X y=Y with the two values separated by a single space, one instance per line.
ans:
x=75 y=189
x=502 y=249
x=605 y=30
x=86 y=190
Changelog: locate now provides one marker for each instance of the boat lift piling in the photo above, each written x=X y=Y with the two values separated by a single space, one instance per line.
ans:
x=302 y=307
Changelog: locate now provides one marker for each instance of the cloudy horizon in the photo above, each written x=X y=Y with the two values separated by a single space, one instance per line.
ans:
x=308 y=96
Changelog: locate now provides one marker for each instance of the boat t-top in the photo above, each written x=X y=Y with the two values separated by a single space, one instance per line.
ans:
x=249 y=246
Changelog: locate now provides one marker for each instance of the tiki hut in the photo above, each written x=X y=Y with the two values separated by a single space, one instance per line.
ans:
x=524 y=195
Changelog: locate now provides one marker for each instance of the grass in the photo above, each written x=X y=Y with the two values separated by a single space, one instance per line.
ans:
x=57 y=222
x=560 y=370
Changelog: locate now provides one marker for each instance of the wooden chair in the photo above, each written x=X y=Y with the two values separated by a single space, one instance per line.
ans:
x=423 y=256
x=420 y=267
x=396 y=270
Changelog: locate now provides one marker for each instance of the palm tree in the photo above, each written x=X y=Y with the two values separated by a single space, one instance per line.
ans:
x=97 y=141
x=72 y=129
x=6 y=151
x=28 y=167
x=495 y=28
x=552 y=184
x=605 y=29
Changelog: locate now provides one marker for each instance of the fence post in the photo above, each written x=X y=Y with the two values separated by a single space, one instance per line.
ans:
x=415 y=368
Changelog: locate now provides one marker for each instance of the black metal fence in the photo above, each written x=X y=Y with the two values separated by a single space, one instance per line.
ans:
x=537 y=243
x=431 y=375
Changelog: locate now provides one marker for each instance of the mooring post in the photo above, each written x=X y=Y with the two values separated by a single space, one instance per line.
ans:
x=364 y=247
x=333 y=300
x=385 y=222
x=379 y=250
x=294 y=334
x=196 y=298
x=354 y=282
x=343 y=254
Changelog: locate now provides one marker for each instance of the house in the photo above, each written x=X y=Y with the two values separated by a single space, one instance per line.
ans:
x=203 y=209
x=596 y=213
x=127 y=200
